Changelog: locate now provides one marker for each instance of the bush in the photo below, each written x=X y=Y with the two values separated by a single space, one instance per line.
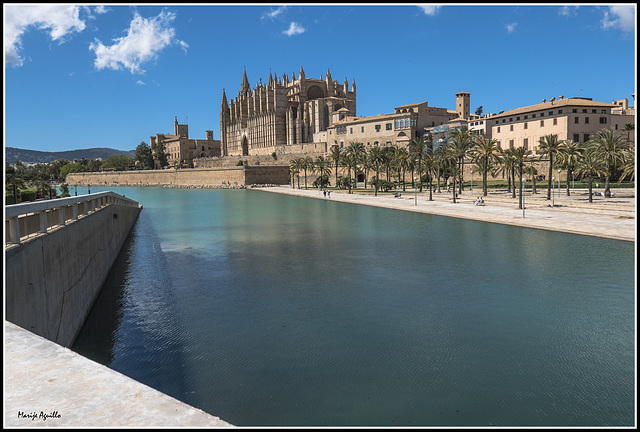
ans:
x=321 y=181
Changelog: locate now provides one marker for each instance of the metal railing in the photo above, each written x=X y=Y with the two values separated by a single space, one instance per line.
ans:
x=32 y=218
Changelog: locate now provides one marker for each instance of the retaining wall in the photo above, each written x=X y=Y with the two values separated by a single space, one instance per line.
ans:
x=52 y=279
x=193 y=177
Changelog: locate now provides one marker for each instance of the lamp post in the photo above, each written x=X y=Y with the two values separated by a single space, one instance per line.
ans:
x=573 y=182
x=553 y=191
x=415 y=187
x=524 y=181
x=559 y=171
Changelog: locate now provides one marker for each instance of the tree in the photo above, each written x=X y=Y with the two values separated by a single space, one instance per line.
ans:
x=418 y=146
x=403 y=164
x=629 y=165
x=321 y=166
x=628 y=128
x=336 y=157
x=118 y=163
x=356 y=153
x=143 y=156
x=376 y=158
x=591 y=166
x=610 y=148
x=461 y=144
x=479 y=110
x=294 y=167
x=533 y=172
x=160 y=154
x=429 y=162
x=306 y=164
x=549 y=146
x=520 y=157
x=486 y=151
x=569 y=154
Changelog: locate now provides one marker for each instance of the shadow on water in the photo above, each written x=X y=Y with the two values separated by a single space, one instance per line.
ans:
x=133 y=327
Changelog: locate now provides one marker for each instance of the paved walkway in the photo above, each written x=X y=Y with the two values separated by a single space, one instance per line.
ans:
x=47 y=385
x=613 y=218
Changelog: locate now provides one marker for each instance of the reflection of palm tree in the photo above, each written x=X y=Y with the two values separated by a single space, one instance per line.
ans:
x=591 y=166
x=610 y=148
x=549 y=146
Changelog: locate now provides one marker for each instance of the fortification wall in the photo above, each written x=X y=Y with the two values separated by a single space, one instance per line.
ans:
x=53 y=279
x=197 y=177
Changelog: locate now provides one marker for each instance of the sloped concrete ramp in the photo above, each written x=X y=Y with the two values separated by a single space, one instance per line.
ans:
x=47 y=385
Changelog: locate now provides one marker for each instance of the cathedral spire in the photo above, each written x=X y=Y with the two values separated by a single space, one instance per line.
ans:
x=224 y=100
x=245 y=83
x=353 y=86
x=301 y=74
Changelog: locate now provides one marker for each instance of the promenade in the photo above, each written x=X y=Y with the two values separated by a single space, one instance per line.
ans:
x=613 y=218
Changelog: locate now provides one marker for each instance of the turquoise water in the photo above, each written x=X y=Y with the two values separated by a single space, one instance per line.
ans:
x=266 y=309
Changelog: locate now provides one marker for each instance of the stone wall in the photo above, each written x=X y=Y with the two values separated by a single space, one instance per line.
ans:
x=53 y=279
x=229 y=176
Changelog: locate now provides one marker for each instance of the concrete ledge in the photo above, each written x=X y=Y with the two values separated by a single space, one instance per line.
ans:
x=46 y=384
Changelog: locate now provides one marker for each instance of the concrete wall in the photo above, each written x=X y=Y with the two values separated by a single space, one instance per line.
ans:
x=53 y=279
x=193 y=177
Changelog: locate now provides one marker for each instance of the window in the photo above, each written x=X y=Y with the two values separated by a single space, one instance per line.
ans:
x=593 y=111
x=603 y=111
x=586 y=120
x=377 y=128
x=498 y=129
x=526 y=126
x=574 y=110
x=517 y=118
x=541 y=114
x=510 y=119
x=362 y=129
x=550 y=112
x=576 y=120
x=398 y=124
x=389 y=126
x=576 y=137
x=559 y=111
x=511 y=128
x=616 y=126
x=586 y=137
x=533 y=116
x=555 y=121
x=511 y=144
x=526 y=117
x=350 y=130
x=603 y=120
x=541 y=123
x=525 y=143
x=584 y=111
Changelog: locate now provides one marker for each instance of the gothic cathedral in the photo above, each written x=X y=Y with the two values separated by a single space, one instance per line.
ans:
x=283 y=115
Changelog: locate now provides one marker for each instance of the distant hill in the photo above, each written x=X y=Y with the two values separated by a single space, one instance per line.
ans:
x=13 y=154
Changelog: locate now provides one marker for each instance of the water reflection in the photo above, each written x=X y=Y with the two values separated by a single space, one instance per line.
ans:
x=275 y=310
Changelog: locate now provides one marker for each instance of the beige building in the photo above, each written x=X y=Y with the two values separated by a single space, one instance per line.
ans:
x=578 y=119
x=397 y=129
x=181 y=149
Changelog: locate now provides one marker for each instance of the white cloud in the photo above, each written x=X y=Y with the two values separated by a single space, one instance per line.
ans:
x=511 y=27
x=144 y=39
x=568 y=10
x=429 y=9
x=273 y=12
x=621 y=17
x=294 y=29
x=58 y=20
x=140 y=82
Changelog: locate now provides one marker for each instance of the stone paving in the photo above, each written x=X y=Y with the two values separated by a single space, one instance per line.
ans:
x=47 y=385
x=613 y=218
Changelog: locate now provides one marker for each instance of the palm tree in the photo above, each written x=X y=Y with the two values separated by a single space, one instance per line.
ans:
x=591 y=166
x=610 y=148
x=295 y=166
x=533 y=172
x=628 y=128
x=569 y=154
x=429 y=163
x=418 y=146
x=487 y=152
x=322 y=167
x=461 y=144
x=356 y=152
x=336 y=156
x=403 y=164
x=507 y=161
x=520 y=157
x=376 y=157
x=629 y=165
x=307 y=164
x=549 y=145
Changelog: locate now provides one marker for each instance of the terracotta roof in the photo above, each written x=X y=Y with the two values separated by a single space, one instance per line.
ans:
x=411 y=105
x=555 y=104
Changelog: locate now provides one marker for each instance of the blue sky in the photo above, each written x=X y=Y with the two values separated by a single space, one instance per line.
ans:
x=111 y=76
